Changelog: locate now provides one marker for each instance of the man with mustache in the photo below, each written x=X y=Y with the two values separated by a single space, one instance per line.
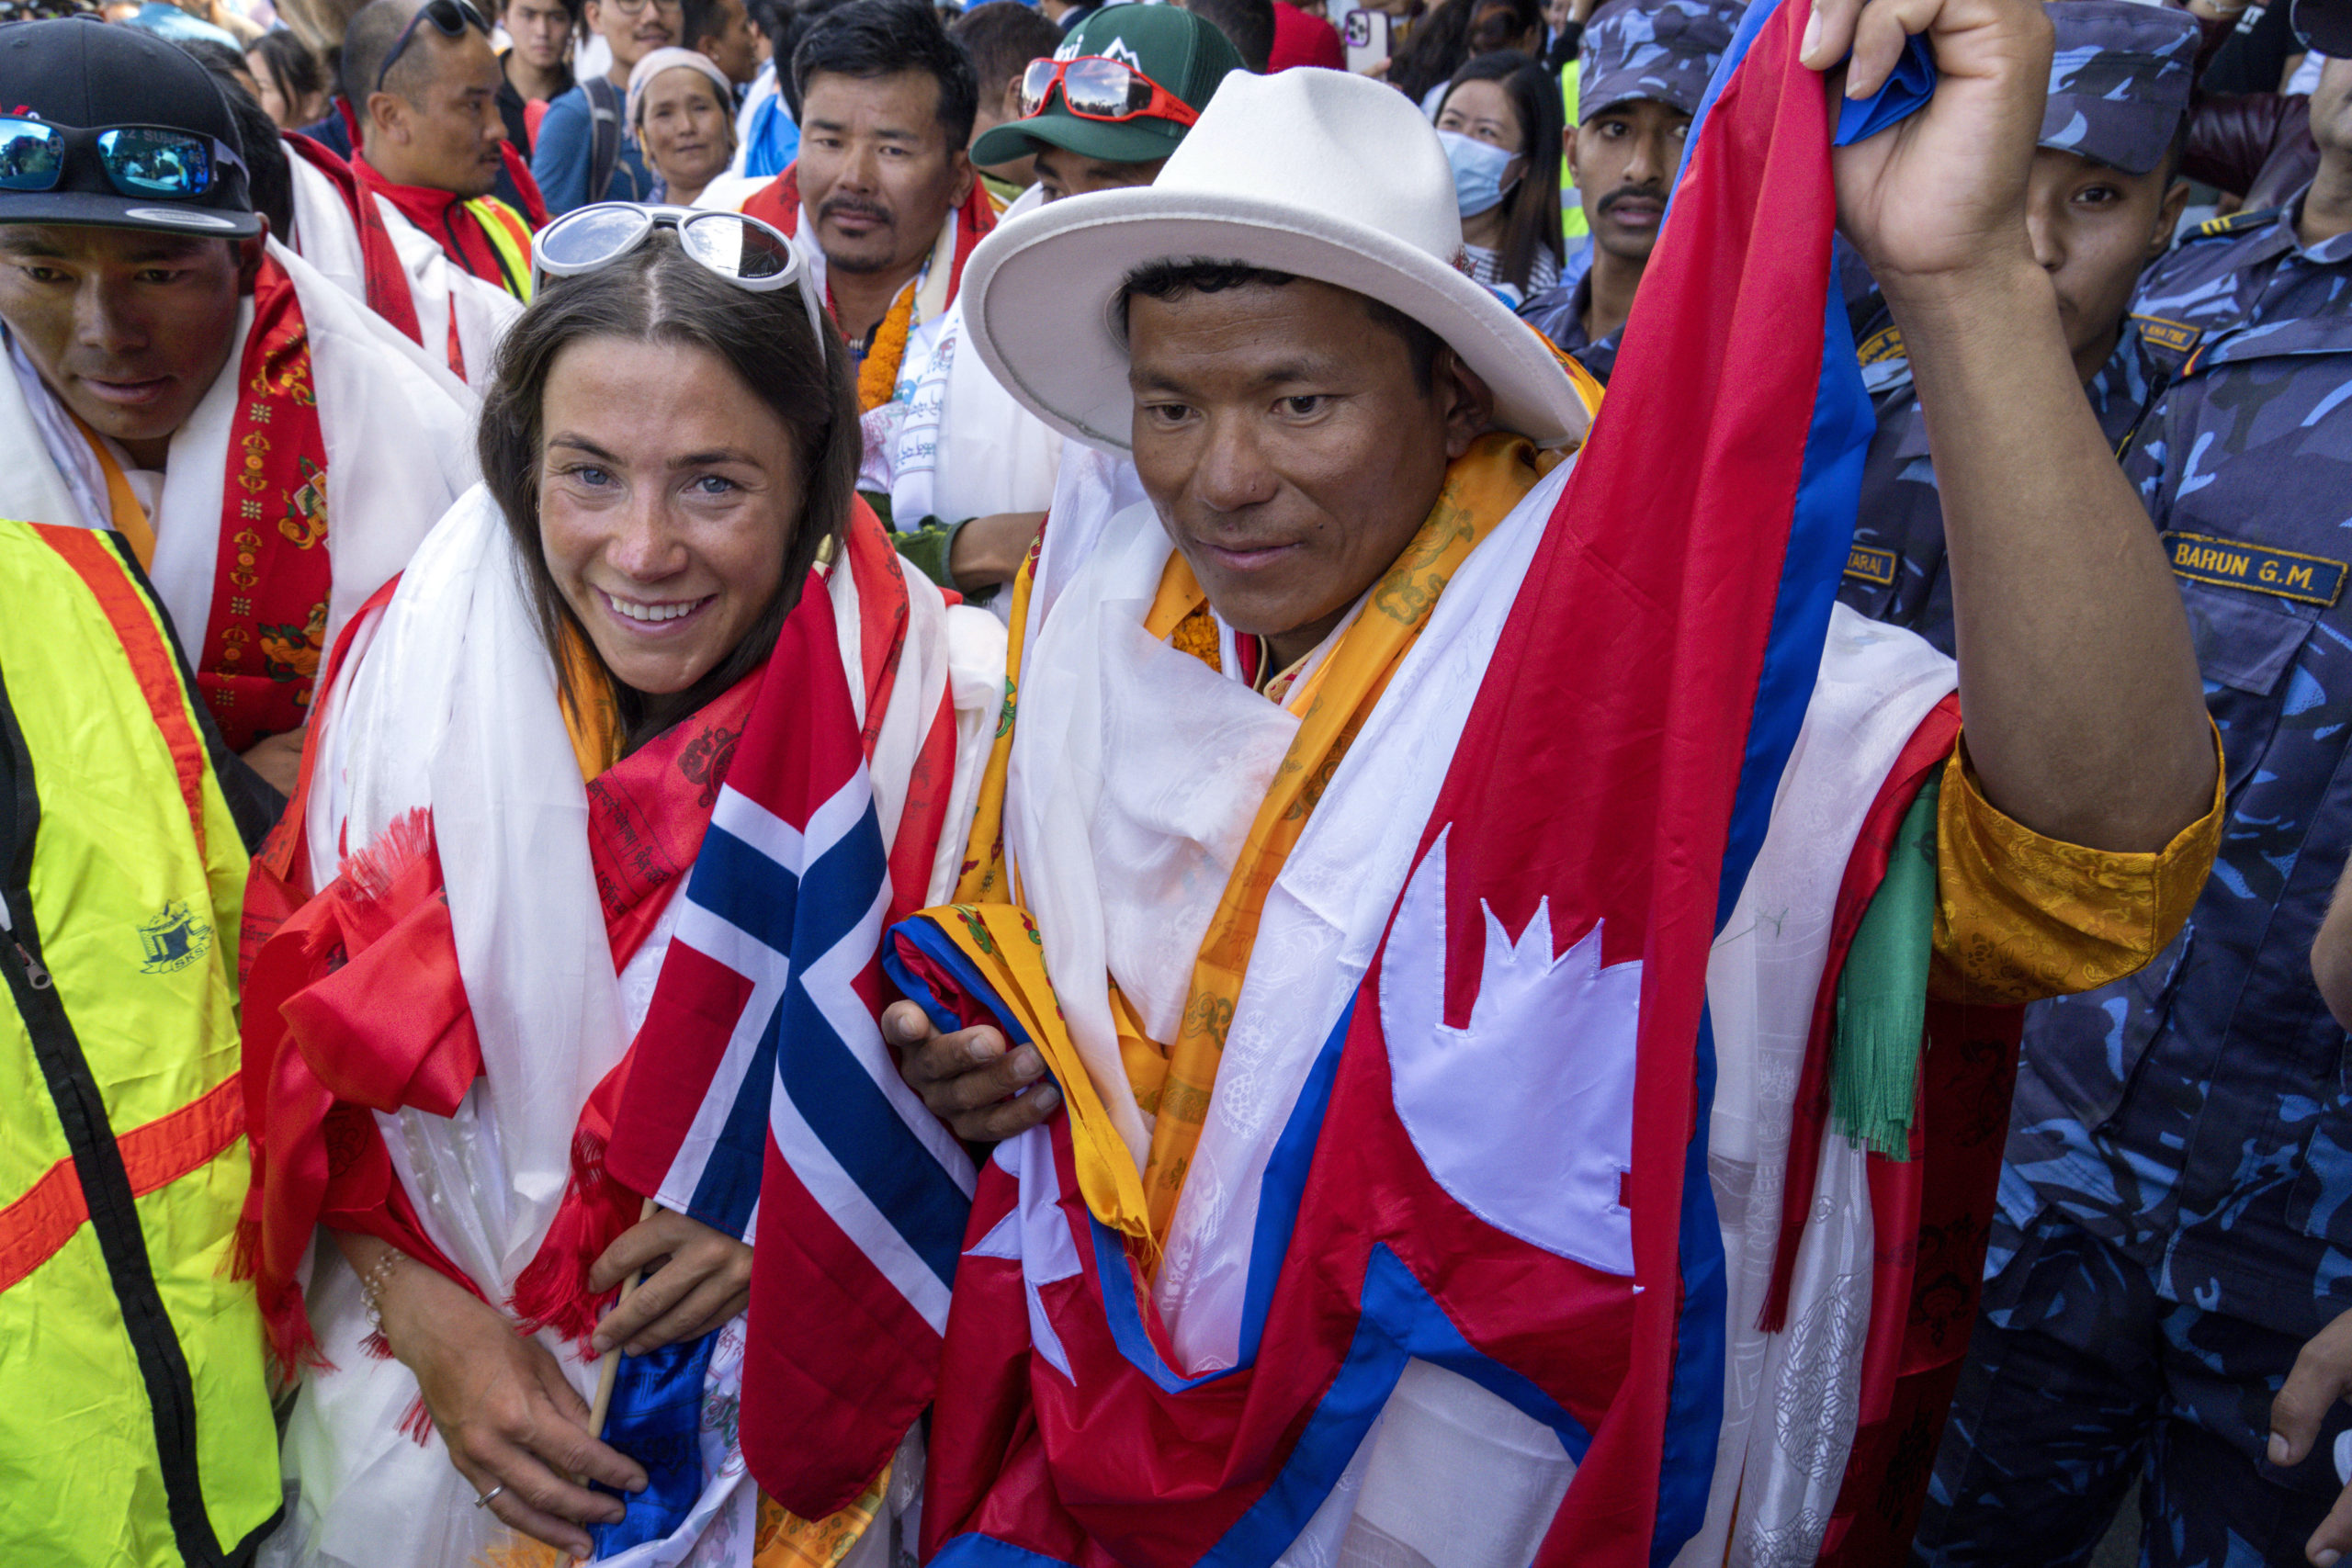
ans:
x=432 y=143
x=883 y=199
x=1645 y=69
x=270 y=448
x=972 y=471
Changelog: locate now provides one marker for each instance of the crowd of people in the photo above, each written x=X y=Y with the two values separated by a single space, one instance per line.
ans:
x=1449 y=783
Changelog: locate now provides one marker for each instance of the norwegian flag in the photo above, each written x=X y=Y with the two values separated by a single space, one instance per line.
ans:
x=775 y=1096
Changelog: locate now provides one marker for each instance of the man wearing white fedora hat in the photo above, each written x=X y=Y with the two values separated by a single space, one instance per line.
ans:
x=1231 y=712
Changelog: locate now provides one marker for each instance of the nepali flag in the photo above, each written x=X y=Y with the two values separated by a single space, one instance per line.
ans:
x=1497 y=1162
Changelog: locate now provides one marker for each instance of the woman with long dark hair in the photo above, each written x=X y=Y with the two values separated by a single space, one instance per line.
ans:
x=1501 y=122
x=512 y=773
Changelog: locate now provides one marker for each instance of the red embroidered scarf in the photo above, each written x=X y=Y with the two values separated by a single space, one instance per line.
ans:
x=259 y=659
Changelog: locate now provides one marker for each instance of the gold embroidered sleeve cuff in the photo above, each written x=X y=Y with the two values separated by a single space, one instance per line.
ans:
x=2020 y=917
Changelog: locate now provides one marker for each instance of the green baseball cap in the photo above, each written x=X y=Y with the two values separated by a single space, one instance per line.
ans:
x=1183 y=52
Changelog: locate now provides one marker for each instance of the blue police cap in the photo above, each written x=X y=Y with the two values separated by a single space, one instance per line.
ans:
x=1653 y=48
x=2119 y=83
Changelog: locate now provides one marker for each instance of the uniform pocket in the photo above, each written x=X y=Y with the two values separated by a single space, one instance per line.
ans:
x=2246 y=646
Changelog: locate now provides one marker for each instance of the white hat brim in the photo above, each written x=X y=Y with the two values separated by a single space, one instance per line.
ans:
x=1041 y=297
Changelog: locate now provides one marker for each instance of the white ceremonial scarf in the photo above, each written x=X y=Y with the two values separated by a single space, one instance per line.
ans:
x=326 y=234
x=1792 y=1399
x=400 y=447
x=965 y=448
x=448 y=702
x=1133 y=755
x=441 y=288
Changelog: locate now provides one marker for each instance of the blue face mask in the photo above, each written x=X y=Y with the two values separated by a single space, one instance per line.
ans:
x=1477 y=172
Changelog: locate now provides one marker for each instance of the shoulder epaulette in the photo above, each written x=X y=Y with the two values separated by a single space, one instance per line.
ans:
x=2235 y=223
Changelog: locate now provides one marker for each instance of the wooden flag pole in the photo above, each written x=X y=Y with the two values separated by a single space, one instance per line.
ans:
x=600 y=1411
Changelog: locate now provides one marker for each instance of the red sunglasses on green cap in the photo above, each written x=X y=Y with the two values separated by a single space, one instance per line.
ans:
x=1094 y=86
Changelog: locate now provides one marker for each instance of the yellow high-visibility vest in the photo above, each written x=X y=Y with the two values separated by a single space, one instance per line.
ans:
x=135 y=1428
x=511 y=236
x=1572 y=223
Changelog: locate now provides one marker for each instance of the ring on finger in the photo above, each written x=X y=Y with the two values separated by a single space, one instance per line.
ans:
x=483 y=1501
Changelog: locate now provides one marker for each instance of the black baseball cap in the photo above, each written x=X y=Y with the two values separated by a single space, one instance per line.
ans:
x=86 y=76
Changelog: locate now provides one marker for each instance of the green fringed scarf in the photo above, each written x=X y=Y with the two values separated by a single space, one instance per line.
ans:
x=1883 y=993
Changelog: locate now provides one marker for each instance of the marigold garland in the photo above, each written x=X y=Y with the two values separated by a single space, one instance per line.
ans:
x=877 y=378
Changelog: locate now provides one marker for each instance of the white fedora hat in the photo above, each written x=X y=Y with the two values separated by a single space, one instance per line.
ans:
x=1319 y=173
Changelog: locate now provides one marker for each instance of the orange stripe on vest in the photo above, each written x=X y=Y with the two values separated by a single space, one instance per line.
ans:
x=152 y=662
x=35 y=1225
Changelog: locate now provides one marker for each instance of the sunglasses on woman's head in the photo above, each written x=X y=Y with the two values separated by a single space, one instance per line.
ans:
x=744 y=251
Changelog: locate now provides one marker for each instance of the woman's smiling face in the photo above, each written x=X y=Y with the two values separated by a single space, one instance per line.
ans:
x=687 y=132
x=669 y=496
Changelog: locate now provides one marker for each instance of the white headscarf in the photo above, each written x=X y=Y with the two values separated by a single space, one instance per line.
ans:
x=660 y=59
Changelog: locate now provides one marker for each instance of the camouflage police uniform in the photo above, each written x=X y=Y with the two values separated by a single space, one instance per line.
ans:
x=1894 y=571
x=1632 y=49
x=2119 y=85
x=2175 y=1215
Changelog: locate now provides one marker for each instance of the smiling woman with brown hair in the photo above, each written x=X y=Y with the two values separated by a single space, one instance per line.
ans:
x=521 y=750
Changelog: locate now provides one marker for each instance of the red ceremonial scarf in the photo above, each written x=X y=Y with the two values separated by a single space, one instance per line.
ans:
x=259 y=659
x=387 y=280
x=355 y=1004
x=455 y=224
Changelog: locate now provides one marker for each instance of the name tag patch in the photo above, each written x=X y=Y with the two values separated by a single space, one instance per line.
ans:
x=2169 y=333
x=1884 y=344
x=1868 y=565
x=2313 y=580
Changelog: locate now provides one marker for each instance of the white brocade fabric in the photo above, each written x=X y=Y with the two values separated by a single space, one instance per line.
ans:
x=1791 y=1399
x=1129 y=754
x=448 y=702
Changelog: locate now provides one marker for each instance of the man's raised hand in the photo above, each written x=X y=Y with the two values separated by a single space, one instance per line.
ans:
x=1941 y=195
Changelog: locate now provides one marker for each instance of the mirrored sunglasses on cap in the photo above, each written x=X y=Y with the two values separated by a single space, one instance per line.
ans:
x=744 y=251
x=2323 y=26
x=450 y=18
x=148 y=161
x=1097 y=87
